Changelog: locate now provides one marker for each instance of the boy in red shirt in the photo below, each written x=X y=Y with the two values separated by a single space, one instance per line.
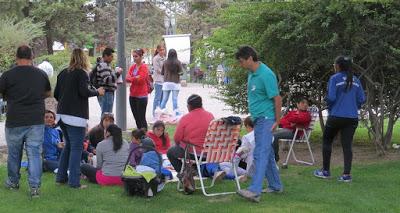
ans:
x=289 y=122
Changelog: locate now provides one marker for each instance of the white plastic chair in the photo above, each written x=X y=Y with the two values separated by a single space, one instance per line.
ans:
x=305 y=138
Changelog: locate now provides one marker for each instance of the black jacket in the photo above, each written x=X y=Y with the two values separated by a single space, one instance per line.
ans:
x=72 y=93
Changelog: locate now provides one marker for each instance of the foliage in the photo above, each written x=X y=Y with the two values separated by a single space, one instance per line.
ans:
x=303 y=193
x=300 y=39
x=13 y=34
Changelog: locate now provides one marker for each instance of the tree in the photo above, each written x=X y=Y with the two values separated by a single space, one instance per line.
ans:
x=64 y=20
x=300 y=39
x=14 y=33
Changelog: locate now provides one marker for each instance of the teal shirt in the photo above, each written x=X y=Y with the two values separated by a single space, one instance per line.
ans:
x=262 y=87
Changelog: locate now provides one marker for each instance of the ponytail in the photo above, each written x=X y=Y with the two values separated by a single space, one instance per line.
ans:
x=116 y=133
x=345 y=63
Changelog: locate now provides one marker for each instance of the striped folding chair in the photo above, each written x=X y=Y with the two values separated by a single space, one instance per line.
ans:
x=219 y=146
x=304 y=138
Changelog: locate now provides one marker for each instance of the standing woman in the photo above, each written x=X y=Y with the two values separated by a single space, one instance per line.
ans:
x=171 y=70
x=345 y=97
x=158 y=61
x=138 y=76
x=72 y=93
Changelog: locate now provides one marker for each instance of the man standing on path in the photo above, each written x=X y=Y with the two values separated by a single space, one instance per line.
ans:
x=107 y=78
x=264 y=104
x=25 y=87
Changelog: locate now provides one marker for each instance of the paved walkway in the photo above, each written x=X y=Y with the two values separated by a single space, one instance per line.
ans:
x=215 y=106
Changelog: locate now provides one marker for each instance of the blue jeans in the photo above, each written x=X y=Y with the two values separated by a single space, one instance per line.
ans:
x=50 y=165
x=264 y=158
x=158 y=94
x=165 y=97
x=33 y=137
x=70 y=158
x=106 y=102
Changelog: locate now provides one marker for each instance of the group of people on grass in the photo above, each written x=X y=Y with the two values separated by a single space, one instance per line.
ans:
x=29 y=125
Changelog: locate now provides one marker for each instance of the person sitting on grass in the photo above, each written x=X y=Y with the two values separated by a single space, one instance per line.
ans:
x=96 y=134
x=139 y=138
x=52 y=144
x=112 y=154
x=300 y=117
x=160 y=137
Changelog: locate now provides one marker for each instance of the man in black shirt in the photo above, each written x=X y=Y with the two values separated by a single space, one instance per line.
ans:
x=25 y=87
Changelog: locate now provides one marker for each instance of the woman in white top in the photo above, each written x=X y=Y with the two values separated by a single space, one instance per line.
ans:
x=171 y=70
x=158 y=61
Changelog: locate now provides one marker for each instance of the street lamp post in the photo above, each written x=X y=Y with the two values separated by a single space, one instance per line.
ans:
x=121 y=90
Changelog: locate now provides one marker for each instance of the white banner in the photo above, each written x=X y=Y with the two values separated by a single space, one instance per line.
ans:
x=181 y=43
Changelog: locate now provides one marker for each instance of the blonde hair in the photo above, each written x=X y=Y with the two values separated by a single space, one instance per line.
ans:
x=79 y=60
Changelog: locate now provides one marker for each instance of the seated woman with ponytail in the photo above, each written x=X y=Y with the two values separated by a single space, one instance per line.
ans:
x=112 y=154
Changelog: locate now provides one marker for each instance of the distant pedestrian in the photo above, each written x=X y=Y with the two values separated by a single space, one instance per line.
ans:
x=172 y=69
x=158 y=61
x=72 y=93
x=138 y=76
x=46 y=67
x=107 y=78
x=25 y=87
x=265 y=105
x=345 y=97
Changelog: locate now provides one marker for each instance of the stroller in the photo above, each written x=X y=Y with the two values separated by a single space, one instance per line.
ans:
x=143 y=183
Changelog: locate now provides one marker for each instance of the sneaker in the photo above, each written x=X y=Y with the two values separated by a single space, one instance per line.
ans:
x=269 y=190
x=10 y=185
x=249 y=195
x=34 y=192
x=218 y=176
x=345 y=178
x=322 y=174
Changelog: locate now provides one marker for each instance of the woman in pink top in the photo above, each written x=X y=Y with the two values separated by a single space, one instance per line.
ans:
x=160 y=137
x=192 y=128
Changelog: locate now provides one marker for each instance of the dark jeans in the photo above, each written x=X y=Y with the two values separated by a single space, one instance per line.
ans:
x=138 y=108
x=281 y=134
x=90 y=172
x=70 y=158
x=347 y=127
x=50 y=165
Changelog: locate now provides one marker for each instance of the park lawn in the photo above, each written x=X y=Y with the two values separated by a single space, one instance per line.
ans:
x=374 y=189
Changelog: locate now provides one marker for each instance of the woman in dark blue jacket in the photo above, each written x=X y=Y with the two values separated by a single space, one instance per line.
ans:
x=344 y=99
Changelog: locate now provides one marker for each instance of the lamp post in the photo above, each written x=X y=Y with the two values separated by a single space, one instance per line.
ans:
x=121 y=90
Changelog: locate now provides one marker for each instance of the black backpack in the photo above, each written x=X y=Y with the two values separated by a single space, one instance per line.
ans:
x=93 y=77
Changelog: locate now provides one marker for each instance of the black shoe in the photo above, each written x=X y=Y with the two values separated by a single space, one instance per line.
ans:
x=34 y=192
x=10 y=185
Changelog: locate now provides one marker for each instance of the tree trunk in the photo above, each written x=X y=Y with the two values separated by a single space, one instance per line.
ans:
x=49 y=38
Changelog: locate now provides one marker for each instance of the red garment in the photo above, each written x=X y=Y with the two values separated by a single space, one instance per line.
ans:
x=139 y=81
x=295 y=118
x=158 y=142
x=104 y=180
x=192 y=128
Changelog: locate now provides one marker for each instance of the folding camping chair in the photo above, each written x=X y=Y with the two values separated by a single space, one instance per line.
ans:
x=305 y=138
x=219 y=146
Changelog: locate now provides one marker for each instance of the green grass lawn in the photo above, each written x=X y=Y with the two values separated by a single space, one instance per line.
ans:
x=374 y=189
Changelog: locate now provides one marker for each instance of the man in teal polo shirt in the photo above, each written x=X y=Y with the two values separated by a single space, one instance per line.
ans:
x=265 y=109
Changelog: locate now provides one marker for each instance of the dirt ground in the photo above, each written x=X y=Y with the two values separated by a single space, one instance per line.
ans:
x=362 y=154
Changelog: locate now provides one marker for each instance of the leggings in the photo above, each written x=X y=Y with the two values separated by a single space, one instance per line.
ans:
x=347 y=127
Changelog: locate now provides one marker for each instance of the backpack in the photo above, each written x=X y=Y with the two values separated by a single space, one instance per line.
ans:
x=93 y=77
x=150 y=84
x=137 y=185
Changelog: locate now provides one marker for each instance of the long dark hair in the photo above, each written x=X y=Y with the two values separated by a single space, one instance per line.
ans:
x=116 y=133
x=172 y=63
x=344 y=63
x=158 y=124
